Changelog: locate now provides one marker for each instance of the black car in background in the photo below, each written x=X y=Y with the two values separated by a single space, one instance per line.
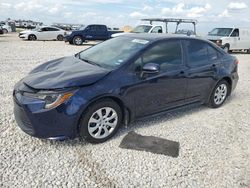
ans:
x=90 y=32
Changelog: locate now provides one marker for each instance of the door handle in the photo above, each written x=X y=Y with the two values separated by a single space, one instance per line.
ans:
x=182 y=72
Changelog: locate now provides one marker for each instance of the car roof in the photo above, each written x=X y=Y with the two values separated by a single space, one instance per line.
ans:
x=49 y=26
x=156 y=36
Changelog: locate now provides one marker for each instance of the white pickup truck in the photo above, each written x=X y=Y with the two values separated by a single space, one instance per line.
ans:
x=153 y=28
x=231 y=38
x=143 y=28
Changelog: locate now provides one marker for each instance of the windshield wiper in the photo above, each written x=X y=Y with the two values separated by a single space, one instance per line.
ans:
x=90 y=62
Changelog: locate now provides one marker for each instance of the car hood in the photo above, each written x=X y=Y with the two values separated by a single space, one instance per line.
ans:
x=64 y=73
x=210 y=37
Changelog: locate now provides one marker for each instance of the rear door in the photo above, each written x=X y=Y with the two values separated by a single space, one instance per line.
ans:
x=203 y=65
x=102 y=32
x=53 y=33
x=97 y=32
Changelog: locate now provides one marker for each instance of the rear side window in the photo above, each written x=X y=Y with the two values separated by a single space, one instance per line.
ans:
x=200 y=53
x=197 y=53
x=212 y=53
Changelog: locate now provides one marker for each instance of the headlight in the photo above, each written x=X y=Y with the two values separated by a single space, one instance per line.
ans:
x=219 y=42
x=51 y=99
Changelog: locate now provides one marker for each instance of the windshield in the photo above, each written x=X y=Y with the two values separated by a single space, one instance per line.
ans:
x=142 y=29
x=113 y=52
x=82 y=28
x=224 y=32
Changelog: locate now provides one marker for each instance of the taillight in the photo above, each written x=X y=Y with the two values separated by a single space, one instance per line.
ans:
x=236 y=61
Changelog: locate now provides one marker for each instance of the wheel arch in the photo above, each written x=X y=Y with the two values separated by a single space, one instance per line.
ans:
x=227 y=79
x=126 y=112
x=31 y=35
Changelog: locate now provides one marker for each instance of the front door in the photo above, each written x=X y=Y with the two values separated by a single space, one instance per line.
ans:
x=166 y=89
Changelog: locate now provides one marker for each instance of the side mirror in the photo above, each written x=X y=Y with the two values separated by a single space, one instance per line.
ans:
x=150 y=68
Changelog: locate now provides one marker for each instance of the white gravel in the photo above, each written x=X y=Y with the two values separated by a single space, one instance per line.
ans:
x=214 y=143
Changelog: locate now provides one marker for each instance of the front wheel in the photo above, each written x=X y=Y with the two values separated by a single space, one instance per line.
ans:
x=219 y=95
x=101 y=121
x=77 y=40
x=32 y=37
x=5 y=31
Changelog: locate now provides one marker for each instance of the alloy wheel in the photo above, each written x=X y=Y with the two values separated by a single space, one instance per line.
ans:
x=78 y=41
x=102 y=123
x=220 y=94
x=32 y=37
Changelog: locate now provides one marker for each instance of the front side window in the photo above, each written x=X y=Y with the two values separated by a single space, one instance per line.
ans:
x=167 y=53
x=44 y=29
x=157 y=29
x=223 y=32
x=235 y=33
x=142 y=29
x=92 y=28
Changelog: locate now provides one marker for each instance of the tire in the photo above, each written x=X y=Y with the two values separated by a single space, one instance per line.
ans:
x=219 y=94
x=77 y=40
x=226 y=49
x=60 y=37
x=32 y=37
x=5 y=31
x=96 y=128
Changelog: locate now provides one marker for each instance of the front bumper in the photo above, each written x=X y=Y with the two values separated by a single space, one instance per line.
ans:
x=23 y=36
x=58 y=123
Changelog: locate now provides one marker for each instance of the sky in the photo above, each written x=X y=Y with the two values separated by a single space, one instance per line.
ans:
x=118 y=13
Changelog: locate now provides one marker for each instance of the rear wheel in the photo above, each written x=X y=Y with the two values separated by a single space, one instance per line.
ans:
x=220 y=94
x=77 y=40
x=32 y=37
x=5 y=31
x=101 y=121
x=60 y=37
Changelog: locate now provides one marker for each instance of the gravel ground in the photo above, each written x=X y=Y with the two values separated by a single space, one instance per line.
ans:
x=214 y=143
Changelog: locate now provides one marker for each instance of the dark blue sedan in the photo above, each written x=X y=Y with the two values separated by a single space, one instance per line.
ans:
x=117 y=81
